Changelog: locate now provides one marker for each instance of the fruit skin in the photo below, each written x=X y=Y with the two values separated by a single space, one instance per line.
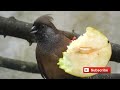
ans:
x=90 y=50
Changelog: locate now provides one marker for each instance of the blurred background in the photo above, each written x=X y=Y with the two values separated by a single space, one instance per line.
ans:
x=106 y=21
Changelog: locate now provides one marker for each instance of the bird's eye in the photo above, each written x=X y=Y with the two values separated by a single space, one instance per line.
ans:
x=43 y=26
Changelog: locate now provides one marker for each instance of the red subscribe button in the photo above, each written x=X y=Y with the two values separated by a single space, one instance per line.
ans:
x=96 y=69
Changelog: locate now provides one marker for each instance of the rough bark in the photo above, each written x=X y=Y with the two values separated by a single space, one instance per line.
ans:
x=19 y=65
x=115 y=52
x=15 y=28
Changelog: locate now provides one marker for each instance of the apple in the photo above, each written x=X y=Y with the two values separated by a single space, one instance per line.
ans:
x=92 y=49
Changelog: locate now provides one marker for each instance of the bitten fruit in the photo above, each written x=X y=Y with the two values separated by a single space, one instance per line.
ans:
x=92 y=49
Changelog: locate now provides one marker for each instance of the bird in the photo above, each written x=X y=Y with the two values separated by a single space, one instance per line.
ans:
x=51 y=42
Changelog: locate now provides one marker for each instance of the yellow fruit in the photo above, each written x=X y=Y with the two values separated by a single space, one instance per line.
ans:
x=91 y=49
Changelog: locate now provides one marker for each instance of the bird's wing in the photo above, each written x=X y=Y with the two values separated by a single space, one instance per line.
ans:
x=41 y=70
x=70 y=35
x=40 y=66
x=48 y=66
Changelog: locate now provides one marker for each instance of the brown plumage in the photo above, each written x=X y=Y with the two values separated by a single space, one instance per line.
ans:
x=51 y=42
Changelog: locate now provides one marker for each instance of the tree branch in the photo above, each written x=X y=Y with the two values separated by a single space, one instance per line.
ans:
x=33 y=68
x=115 y=52
x=15 y=28
x=19 y=29
x=19 y=65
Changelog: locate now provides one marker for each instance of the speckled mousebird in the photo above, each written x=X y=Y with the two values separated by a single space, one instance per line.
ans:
x=51 y=42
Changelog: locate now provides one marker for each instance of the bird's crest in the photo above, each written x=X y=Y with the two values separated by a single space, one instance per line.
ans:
x=46 y=19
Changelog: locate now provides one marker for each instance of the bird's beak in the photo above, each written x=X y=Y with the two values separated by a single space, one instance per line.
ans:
x=33 y=30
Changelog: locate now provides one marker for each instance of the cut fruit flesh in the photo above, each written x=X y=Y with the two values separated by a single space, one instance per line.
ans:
x=92 y=49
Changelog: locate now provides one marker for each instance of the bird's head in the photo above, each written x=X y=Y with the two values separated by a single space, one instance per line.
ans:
x=43 y=28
